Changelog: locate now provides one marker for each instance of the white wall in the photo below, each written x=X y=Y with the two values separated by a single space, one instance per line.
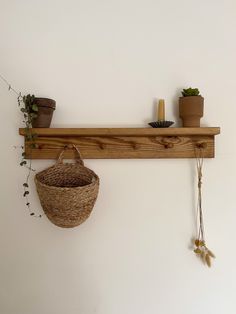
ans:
x=104 y=62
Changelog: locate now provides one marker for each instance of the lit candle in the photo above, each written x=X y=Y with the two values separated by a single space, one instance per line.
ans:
x=161 y=110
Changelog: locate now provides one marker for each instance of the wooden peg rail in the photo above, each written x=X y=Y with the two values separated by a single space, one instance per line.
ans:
x=122 y=142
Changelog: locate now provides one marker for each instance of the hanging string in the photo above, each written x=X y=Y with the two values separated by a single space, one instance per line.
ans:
x=201 y=249
x=199 y=159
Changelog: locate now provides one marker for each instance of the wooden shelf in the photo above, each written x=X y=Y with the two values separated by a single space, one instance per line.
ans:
x=123 y=142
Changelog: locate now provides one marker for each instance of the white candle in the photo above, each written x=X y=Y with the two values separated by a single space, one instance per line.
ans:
x=161 y=110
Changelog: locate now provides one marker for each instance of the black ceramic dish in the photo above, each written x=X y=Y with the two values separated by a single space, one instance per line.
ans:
x=161 y=124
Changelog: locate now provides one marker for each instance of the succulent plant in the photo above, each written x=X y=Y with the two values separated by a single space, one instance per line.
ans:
x=190 y=92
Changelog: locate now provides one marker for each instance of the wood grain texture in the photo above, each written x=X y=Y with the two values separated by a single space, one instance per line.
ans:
x=64 y=132
x=123 y=143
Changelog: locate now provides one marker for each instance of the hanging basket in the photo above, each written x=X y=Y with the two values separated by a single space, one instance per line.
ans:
x=67 y=192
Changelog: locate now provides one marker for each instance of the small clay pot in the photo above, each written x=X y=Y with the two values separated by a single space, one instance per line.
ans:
x=191 y=110
x=46 y=108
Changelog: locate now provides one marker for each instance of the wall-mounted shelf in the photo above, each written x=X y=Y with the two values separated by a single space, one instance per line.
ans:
x=123 y=142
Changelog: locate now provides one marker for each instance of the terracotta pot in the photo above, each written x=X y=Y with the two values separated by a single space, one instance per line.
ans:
x=46 y=108
x=191 y=110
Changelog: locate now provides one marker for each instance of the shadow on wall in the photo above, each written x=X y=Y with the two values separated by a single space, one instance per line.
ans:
x=175 y=101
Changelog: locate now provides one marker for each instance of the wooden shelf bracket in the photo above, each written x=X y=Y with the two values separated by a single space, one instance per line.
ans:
x=119 y=143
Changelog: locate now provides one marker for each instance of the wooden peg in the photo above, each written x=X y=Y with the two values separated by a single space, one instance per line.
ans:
x=201 y=145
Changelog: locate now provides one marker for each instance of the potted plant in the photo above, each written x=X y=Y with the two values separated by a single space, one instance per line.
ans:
x=45 y=109
x=37 y=113
x=191 y=106
x=37 y=110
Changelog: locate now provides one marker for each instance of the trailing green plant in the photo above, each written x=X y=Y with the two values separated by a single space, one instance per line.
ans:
x=190 y=92
x=29 y=110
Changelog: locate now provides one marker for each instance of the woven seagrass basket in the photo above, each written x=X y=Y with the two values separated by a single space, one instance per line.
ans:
x=67 y=192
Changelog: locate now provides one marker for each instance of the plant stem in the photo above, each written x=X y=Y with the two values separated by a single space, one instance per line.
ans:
x=9 y=86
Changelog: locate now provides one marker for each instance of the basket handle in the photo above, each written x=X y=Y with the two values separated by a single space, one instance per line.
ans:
x=78 y=159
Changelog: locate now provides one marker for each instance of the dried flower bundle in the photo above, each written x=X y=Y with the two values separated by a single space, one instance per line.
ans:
x=203 y=252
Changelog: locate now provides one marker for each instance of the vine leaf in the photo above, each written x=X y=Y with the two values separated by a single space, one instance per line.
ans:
x=35 y=107
x=25 y=193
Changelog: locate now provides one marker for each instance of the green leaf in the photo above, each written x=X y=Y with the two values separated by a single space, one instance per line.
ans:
x=35 y=107
x=33 y=115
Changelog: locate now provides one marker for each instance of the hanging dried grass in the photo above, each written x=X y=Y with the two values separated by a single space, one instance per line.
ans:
x=201 y=249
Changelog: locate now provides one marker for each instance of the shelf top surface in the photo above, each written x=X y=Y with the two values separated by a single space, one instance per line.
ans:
x=123 y=131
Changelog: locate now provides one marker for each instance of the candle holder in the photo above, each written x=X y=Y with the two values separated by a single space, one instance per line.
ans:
x=161 y=124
